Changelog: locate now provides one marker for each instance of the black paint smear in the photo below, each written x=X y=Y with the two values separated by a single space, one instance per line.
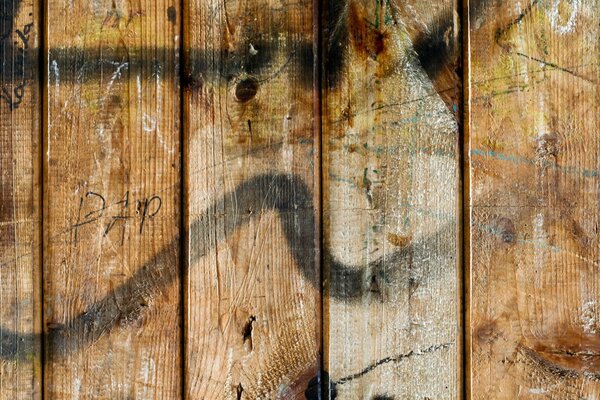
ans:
x=437 y=48
x=201 y=64
x=8 y=11
x=320 y=387
x=291 y=198
x=336 y=38
x=172 y=14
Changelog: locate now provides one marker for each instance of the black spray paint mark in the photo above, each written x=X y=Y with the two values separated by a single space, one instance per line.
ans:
x=436 y=48
x=287 y=195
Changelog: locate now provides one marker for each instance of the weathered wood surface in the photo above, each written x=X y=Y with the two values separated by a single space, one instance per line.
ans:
x=390 y=200
x=534 y=154
x=112 y=310
x=251 y=294
x=20 y=193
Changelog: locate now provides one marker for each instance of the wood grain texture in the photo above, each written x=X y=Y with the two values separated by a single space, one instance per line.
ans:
x=112 y=204
x=20 y=194
x=390 y=200
x=534 y=154
x=252 y=298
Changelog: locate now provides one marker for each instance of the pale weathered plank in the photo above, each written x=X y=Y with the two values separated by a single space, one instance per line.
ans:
x=111 y=202
x=20 y=194
x=252 y=302
x=391 y=191
x=534 y=154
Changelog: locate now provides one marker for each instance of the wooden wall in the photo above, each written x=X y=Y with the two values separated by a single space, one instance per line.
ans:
x=311 y=199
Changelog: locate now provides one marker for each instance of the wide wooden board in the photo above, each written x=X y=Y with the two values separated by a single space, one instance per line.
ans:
x=391 y=98
x=252 y=298
x=534 y=154
x=20 y=195
x=112 y=307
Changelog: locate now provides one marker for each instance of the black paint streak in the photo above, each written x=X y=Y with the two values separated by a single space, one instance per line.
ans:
x=392 y=359
x=291 y=198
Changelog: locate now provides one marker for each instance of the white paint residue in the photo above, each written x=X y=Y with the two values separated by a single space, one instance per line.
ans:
x=76 y=387
x=253 y=51
x=537 y=391
x=139 y=88
x=117 y=75
x=540 y=244
x=56 y=72
x=541 y=122
x=229 y=379
x=556 y=19
x=149 y=123
x=148 y=375
x=588 y=317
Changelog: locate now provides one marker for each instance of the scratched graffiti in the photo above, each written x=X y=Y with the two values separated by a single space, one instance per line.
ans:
x=17 y=52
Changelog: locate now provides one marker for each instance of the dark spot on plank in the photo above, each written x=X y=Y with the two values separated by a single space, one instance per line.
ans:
x=506 y=229
x=239 y=390
x=247 y=332
x=486 y=333
x=383 y=397
x=192 y=83
x=246 y=89
x=172 y=14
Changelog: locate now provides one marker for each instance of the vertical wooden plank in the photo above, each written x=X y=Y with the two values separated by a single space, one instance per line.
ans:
x=252 y=302
x=390 y=101
x=20 y=224
x=112 y=203
x=534 y=154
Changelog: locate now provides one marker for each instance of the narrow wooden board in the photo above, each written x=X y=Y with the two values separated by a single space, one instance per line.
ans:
x=112 y=310
x=391 y=95
x=20 y=194
x=534 y=155
x=252 y=298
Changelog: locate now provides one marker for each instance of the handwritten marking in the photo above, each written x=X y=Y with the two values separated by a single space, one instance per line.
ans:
x=145 y=209
x=12 y=94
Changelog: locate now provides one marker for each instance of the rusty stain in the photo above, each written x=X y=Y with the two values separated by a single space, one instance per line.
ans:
x=398 y=240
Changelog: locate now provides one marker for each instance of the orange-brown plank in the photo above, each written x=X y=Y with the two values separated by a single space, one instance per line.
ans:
x=20 y=194
x=534 y=155
x=112 y=202
x=391 y=100
x=252 y=302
